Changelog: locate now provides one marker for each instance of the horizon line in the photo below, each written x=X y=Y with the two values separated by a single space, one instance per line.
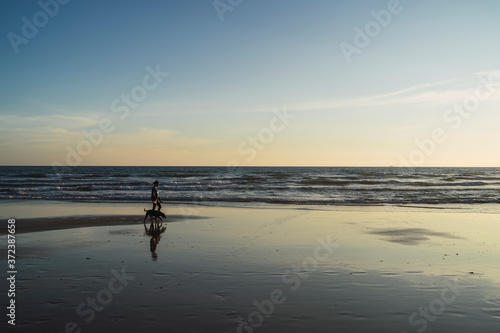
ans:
x=247 y=166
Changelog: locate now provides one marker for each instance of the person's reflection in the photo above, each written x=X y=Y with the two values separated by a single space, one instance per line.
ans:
x=155 y=230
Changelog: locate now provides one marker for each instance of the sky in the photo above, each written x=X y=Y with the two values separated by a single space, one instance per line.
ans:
x=250 y=82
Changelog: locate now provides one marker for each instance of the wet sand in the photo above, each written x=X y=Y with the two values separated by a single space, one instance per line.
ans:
x=259 y=270
x=56 y=223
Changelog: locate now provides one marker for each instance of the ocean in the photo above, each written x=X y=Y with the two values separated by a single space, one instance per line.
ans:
x=303 y=186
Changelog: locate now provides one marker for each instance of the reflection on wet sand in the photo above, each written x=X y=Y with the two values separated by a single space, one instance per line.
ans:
x=411 y=236
x=155 y=230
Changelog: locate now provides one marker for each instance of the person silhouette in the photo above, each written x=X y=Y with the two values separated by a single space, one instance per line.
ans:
x=155 y=196
x=155 y=230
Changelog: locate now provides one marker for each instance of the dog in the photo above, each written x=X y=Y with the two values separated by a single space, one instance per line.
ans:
x=156 y=214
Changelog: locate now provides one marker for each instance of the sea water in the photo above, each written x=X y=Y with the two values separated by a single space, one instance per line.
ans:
x=305 y=186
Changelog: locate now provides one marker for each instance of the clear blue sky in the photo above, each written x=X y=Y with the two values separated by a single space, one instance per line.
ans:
x=225 y=78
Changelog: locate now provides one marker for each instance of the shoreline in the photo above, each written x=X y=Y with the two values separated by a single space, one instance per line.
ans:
x=46 y=215
x=35 y=208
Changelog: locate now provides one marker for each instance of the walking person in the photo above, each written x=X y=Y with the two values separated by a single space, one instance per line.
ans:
x=155 y=196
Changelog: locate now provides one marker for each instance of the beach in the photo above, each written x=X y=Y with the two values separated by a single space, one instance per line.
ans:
x=260 y=269
x=320 y=166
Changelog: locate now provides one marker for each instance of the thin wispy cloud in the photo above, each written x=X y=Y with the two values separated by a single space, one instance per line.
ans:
x=435 y=92
x=53 y=121
x=19 y=137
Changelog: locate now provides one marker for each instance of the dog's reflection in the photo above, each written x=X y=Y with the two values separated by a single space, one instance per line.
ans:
x=155 y=230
